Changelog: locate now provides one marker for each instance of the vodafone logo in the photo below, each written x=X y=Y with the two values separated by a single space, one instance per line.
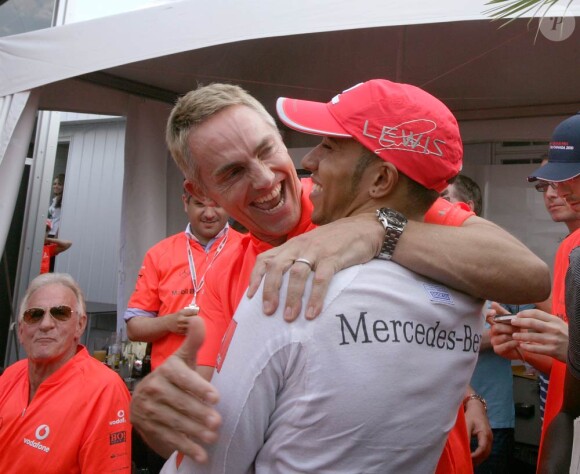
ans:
x=42 y=432
x=120 y=418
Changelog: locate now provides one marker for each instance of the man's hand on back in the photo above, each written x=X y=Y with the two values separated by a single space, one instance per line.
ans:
x=329 y=248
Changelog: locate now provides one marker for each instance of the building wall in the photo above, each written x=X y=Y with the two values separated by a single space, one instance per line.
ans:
x=91 y=208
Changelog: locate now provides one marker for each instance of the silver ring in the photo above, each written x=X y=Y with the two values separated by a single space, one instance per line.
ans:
x=303 y=260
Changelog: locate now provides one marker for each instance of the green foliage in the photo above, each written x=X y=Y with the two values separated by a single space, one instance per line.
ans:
x=513 y=9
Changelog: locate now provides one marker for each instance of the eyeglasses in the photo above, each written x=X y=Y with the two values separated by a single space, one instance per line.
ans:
x=59 y=313
x=542 y=186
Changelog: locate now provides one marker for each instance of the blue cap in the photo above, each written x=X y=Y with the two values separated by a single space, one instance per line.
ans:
x=564 y=153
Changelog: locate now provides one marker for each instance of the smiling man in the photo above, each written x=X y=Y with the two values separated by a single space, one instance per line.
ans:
x=173 y=276
x=60 y=409
x=227 y=144
x=359 y=388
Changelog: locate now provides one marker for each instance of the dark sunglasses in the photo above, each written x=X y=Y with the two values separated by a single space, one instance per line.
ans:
x=59 y=313
x=543 y=186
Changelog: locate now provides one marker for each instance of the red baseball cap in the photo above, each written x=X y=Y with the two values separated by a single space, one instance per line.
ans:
x=402 y=124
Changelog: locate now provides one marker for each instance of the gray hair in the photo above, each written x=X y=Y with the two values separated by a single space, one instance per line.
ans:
x=193 y=109
x=63 y=279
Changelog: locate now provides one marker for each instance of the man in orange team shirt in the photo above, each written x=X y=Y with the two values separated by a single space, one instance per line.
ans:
x=60 y=409
x=173 y=277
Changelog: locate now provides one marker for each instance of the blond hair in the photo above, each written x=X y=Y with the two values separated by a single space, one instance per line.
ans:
x=193 y=109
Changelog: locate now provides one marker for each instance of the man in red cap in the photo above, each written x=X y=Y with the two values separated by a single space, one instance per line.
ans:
x=358 y=389
x=226 y=143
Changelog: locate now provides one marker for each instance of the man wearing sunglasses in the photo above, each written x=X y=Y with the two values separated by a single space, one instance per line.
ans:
x=60 y=409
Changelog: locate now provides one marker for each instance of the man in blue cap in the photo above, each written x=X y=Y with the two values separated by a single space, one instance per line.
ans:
x=562 y=173
x=563 y=165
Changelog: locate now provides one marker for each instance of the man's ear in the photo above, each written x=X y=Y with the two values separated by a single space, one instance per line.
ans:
x=385 y=181
x=81 y=325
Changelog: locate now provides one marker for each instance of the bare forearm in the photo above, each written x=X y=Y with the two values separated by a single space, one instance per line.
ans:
x=145 y=329
x=61 y=245
x=473 y=258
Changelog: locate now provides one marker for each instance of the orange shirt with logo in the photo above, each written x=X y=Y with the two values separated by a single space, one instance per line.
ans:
x=164 y=284
x=78 y=420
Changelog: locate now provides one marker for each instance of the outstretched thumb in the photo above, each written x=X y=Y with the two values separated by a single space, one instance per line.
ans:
x=193 y=341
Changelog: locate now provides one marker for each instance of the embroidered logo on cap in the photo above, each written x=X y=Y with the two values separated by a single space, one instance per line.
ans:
x=413 y=136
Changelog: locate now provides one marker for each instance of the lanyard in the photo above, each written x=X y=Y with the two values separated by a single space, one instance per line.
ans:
x=198 y=286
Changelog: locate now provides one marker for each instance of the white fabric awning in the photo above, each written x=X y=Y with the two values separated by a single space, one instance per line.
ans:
x=41 y=57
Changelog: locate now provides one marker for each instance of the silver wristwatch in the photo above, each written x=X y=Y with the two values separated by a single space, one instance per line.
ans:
x=394 y=223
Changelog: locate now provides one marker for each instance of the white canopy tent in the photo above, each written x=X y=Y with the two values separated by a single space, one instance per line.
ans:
x=136 y=64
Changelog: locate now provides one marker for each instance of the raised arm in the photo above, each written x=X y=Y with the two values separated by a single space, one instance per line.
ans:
x=471 y=258
x=61 y=245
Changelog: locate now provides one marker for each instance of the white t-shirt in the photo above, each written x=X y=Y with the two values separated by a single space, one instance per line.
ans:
x=372 y=385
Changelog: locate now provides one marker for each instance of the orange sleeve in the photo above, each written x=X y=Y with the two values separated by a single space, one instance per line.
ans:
x=146 y=294
x=456 y=456
x=108 y=449
x=443 y=212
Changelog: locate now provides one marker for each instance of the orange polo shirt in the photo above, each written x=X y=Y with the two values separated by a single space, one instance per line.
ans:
x=48 y=251
x=164 y=283
x=78 y=420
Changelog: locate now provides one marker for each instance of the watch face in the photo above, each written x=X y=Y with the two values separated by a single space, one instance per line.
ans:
x=394 y=217
x=395 y=220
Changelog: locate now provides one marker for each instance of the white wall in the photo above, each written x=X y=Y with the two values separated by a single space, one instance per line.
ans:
x=513 y=203
x=91 y=208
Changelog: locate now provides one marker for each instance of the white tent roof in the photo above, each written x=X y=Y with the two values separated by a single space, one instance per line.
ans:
x=136 y=64
x=44 y=56
x=305 y=48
